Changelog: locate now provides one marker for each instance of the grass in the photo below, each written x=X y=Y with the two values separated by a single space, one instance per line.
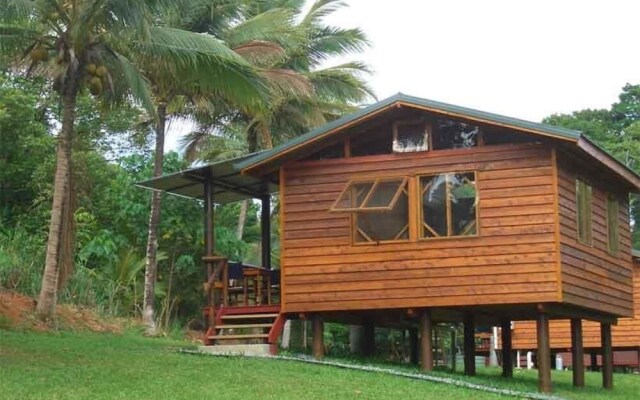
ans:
x=104 y=366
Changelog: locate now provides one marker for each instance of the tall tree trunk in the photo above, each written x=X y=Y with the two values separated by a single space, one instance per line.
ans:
x=242 y=218
x=48 y=292
x=151 y=266
x=67 y=239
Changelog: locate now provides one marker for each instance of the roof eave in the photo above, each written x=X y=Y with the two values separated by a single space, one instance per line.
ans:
x=610 y=162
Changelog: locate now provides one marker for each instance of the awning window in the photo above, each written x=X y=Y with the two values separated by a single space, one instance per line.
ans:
x=370 y=195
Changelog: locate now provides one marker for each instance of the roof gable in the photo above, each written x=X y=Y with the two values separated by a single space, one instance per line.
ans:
x=271 y=157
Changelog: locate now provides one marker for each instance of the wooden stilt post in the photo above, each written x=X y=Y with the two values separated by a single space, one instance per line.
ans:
x=507 y=349
x=413 y=345
x=593 y=355
x=369 y=348
x=577 y=352
x=607 y=356
x=469 y=345
x=209 y=246
x=426 y=340
x=454 y=350
x=318 y=337
x=544 y=353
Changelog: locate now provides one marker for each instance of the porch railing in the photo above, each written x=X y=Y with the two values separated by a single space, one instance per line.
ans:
x=234 y=284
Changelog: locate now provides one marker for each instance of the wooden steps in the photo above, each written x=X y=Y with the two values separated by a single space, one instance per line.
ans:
x=237 y=337
x=244 y=326
x=238 y=327
x=249 y=316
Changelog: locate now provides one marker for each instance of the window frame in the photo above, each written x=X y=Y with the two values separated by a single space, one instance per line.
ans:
x=421 y=222
x=611 y=199
x=375 y=181
x=426 y=126
x=588 y=241
x=353 y=215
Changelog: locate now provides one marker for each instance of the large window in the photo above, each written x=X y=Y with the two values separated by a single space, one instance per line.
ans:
x=448 y=205
x=583 y=212
x=380 y=209
x=613 y=237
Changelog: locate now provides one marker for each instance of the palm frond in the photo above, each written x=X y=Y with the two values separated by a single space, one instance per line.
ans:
x=137 y=83
x=330 y=42
x=342 y=83
x=271 y=26
x=286 y=82
x=203 y=60
x=261 y=53
x=321 y=9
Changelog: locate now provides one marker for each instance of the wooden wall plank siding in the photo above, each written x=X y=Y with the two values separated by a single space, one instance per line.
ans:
x=514 y=259
x=625 y=334
x=591 y=276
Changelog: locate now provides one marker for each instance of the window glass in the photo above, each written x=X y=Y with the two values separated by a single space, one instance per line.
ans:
x=380 y=209
x=374 y=141
x=353 y=196
x=449 y=205
x=384 y=225
x=383 y=193
x=410 y=137
x=449 y=134
x=434 y=207
x=583 y=212
x=463 y=204
x=373 y=195
x=613 y=238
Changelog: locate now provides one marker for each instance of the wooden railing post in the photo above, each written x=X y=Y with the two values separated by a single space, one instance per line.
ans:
x=225 y=282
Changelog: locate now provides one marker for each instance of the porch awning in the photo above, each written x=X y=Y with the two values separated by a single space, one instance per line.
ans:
x=229 y=183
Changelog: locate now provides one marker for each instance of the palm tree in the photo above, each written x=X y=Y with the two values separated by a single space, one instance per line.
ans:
x=93 y=45
x=214 y=74
x=321 y=93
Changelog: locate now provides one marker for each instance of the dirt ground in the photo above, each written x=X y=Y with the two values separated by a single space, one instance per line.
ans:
x=18 y=311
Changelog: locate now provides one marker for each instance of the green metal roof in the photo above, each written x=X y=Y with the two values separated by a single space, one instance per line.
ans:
x=229 y=183
x=436 y=106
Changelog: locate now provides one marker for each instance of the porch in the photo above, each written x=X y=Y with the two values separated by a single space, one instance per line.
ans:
x=241 y=301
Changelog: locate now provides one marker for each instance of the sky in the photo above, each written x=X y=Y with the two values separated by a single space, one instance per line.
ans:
x=524 y=59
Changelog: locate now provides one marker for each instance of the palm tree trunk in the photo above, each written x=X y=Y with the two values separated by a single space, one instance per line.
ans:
x=151 y=266
x=48 y=291
x=242 y=218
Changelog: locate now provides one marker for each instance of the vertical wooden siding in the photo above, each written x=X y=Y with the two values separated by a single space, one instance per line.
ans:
x=513 y=260
x=625 y=334
x=591 y=277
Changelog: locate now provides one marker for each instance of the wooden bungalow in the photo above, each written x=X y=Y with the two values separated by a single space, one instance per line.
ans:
x=412 y=212
x=625 y=336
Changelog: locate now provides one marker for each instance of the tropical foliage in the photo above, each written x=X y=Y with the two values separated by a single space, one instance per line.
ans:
x=616 y=130
x=93 y=86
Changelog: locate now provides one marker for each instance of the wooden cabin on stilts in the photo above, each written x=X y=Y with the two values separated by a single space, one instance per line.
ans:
x=411 y=213
x=580 y=344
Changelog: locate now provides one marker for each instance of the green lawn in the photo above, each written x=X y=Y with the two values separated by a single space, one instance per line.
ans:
x=100 y=366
